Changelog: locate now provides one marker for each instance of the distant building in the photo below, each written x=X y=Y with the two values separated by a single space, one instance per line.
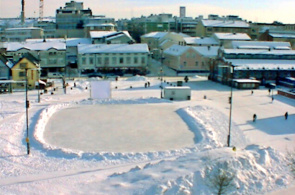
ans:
x=201 y=41
x=187 y=59
x=5 y=66
x=70 y=20
x=207 y=28
x=50 y=53
x=224 y=39
x=182 y=12
x=265 y=61
x=272 y=35
x=29 y=62
x=21 y=34
x=113 y=57
x=48 y=26
x=111 y=37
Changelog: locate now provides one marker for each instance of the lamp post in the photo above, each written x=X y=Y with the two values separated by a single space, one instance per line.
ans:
x=161 y=71
x=231 y=104
x=38 y=86
x=27 y=111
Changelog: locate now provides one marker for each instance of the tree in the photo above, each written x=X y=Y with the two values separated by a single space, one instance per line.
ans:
x=220 y=179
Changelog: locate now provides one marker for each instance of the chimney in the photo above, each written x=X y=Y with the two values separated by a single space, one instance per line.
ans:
x=23 y=12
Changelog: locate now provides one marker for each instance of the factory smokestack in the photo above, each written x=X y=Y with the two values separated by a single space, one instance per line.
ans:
x=23 y=12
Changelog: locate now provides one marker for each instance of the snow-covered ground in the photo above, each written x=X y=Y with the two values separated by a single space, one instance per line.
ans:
x=137 y=143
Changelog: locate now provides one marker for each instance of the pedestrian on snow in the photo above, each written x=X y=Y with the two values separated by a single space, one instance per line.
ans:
x=186 y=79
x=74 y=84
x=272 y=99
x=148 y=84
x=252 y=92
x=145 y=84
x=269 y=91
x=254 y=117
x=286 y=115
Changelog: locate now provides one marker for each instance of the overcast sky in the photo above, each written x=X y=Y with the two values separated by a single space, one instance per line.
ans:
x=251 y=10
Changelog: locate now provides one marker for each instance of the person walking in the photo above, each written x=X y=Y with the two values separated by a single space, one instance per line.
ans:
x=252 y=92
x=254 y=117
x=286 y=115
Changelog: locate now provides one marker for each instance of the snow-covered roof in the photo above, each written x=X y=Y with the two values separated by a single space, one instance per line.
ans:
x=246 y=81
x=176 y=50
x=107 y=34
x=259 y=44
x=225 y=23
x=36 y=46
x=112 y=48
x=255 y=51
x=249 y=64
x=72 y=42
x=200 y=41
x=232 y=36
x=207 y=51
x=24 y=28
x=100 y=25
x=287 y=36
x=157 y=35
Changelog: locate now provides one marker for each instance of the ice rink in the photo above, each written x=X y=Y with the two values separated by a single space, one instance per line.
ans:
x=118 y=128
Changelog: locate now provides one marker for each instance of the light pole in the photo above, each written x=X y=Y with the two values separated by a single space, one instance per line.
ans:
x=27 y=111
x=231 y=103
x=161 y=71
x=38 y=86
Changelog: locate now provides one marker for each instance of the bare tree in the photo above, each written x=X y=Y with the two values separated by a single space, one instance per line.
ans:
x=220 y=178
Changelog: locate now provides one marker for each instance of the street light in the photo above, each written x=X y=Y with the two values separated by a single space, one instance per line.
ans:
x=231 y=103
x=27 y=111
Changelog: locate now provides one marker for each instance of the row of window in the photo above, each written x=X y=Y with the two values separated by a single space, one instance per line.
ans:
x=259 y=56
x=113 y=60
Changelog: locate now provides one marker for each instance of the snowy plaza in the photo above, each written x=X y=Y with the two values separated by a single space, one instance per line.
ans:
x=137 y=143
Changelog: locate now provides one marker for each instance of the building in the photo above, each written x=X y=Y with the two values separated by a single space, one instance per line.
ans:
x=110 y=37
x=21 y=34
x=201 y=41
x=265 y=63
x=158 y=41
x=51 y=53
x=225 y=39
x=206 y=28
x=123 y=58
x=278 y=36
x=26 y=64
x=5 y=66
x=48 y=26
x=70 y=20
x=188 y=59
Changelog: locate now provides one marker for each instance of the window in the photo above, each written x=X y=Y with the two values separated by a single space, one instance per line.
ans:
x=23 y=65
x=83 y=61
x=128 y=60
x=106 y=61
x=121 y=60
x=135 y=60
x=143 y=60
x=197 y=63
x=114 y=60
x=22 y=74
x=91 y=60
x=99 y=60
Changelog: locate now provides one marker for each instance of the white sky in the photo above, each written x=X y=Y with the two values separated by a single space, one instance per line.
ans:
x=251 y=10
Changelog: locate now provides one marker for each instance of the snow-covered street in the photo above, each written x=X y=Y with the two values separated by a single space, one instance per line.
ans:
x=138 y=143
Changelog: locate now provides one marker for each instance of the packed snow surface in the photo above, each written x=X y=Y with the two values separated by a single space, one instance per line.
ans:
x=138 y=143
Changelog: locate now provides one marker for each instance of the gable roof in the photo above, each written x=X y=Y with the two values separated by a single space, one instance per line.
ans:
x=5 y=61
x=176 y=50
x=225 y=23
x=232 y=36
x=207 y=51
x=29 y=57
x=36 y=46
x=200 y=41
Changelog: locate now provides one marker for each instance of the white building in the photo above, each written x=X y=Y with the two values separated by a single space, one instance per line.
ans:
x=113 y=57
x=21 y=34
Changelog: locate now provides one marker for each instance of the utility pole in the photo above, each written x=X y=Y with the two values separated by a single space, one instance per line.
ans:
x=231 y=104
x=27 y=113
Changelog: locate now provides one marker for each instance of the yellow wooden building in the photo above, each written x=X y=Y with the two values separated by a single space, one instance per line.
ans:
x=29 y=65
